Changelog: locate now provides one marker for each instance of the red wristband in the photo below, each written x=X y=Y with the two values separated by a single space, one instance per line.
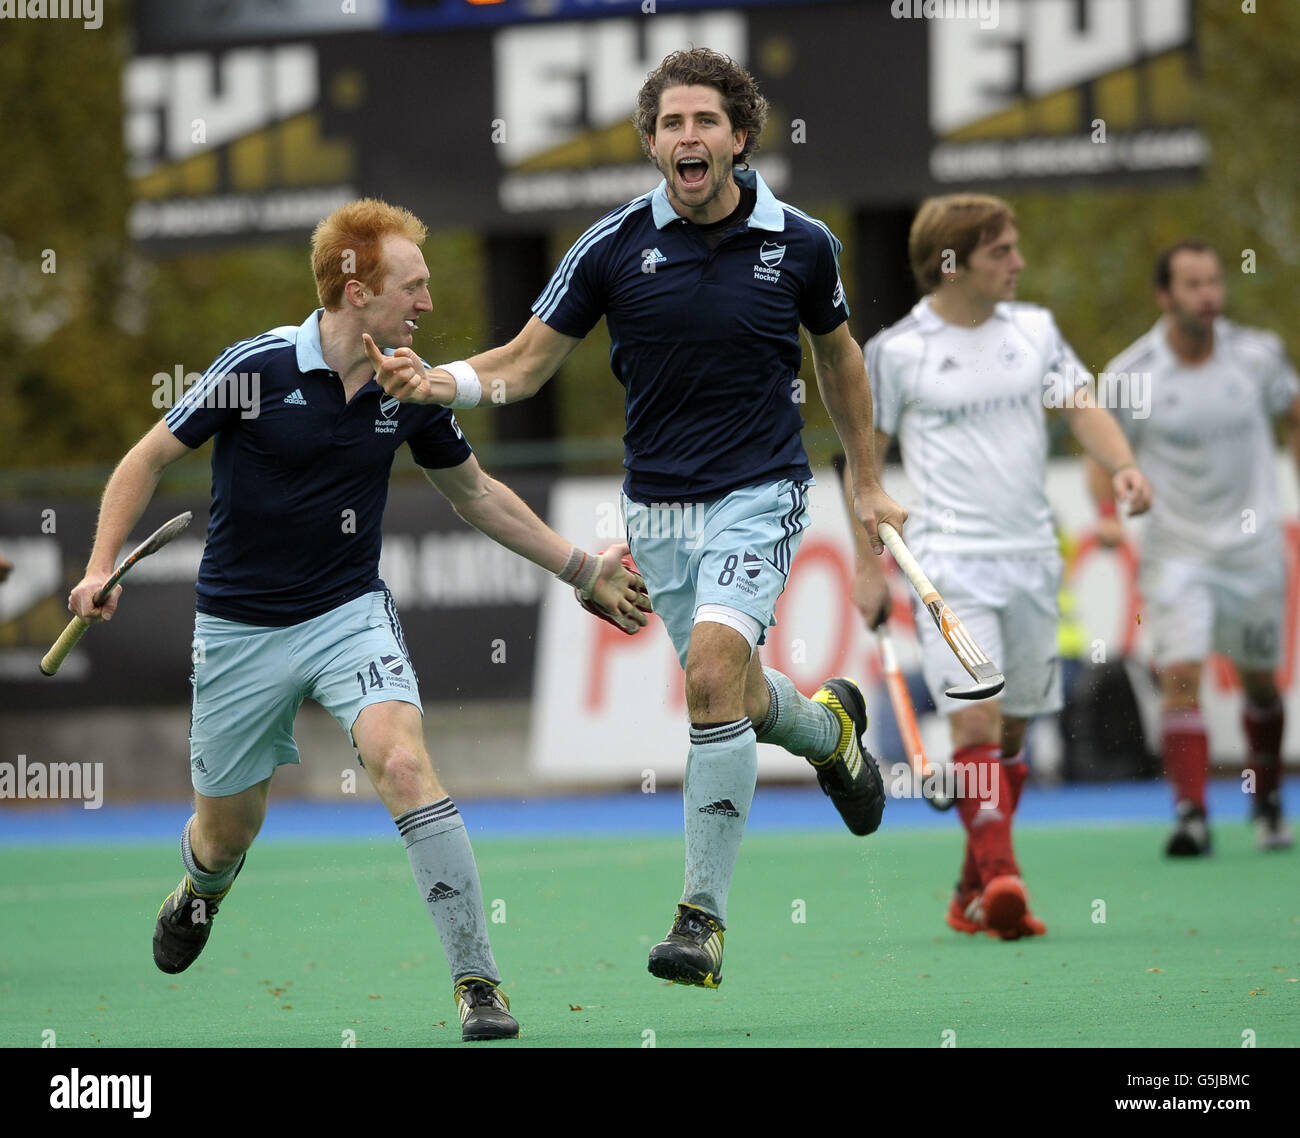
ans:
x=1108 y=509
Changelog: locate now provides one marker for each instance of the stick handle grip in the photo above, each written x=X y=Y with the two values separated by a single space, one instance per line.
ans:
x=907 y=563
x=66 y=642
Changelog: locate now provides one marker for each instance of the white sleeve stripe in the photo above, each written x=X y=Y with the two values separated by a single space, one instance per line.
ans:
x=559 y=283
x=836 y=247
x=1136 y=353
x=195 y=397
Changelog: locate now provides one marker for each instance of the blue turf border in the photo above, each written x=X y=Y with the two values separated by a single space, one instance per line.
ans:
x=774 y=809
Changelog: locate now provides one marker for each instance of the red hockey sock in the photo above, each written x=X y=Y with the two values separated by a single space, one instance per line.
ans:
x=1187 y=754
x=970 y=872
x=985 y=806
x=1264 y=733
x=1014 y=773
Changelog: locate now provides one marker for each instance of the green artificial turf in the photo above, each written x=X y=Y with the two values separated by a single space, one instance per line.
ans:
x=318 y=940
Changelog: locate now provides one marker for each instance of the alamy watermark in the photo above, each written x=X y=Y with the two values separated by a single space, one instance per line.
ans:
x=960 y=780
x=1113 y=390
x=75 y=1091
x=684 y=520
x=985 y=11
x=241 y=391
x=89 y=12
x=53 y=780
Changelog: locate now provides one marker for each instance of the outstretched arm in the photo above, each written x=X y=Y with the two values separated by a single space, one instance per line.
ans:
x=497 y=511
x=506 y=374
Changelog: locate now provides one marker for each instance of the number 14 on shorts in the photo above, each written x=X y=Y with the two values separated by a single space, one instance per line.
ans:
x=391 y=670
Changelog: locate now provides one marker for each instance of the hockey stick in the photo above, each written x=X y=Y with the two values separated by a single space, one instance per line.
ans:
x=988 y=679
x=905 y=714
x=67 y=640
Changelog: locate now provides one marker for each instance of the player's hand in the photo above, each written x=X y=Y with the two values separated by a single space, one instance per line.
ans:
x=6 y=567
x=619 y=594
x=872 y=596
x=1132 y=490
x=873 y=506
x=81 y=601
x=403 y=376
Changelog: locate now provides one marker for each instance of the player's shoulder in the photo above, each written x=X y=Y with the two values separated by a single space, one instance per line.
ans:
x=1143 y=354
x=803 y=224
x=901 y=342
x=616 y=220
x=1035 y=320
x=1037 y=326
x=1252 y=345
x=259 y=349
x=601 y=242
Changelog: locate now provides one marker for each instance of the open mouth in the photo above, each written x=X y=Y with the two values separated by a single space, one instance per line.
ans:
x=692 y=171
x=412 y=325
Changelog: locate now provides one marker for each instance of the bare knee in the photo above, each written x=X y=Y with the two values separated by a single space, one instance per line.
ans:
x=1180 y=685
x=219 y=841
x=714 y=693
x=1013 y=735
x=401 y=769
x=976 y=726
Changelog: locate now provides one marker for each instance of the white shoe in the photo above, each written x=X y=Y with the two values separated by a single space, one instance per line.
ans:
x=1271 y=830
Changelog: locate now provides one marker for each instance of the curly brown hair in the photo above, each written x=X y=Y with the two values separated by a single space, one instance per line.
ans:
x=701 y=67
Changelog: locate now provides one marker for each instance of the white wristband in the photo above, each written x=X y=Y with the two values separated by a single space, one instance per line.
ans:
x=468 y=388
x=581 y=571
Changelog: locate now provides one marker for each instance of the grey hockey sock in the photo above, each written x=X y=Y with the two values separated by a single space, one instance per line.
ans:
x=721 y=771
x=795 y=722
x=443 y=863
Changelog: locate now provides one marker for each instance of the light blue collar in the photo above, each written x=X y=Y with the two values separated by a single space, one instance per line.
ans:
x=767 y=213
x=307 y=343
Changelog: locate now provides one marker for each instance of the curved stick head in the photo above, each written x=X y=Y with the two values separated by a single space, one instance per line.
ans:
x=984 y=689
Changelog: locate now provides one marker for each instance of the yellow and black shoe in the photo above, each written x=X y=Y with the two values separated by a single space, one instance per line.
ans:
x=849 y=775
x=184 y=924
x=484 y=1011
x=691 y=953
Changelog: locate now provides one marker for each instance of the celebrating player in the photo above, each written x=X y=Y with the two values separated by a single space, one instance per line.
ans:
x=1212 y=560
x=290 y=602
x=963 y=382
x=704 y=283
